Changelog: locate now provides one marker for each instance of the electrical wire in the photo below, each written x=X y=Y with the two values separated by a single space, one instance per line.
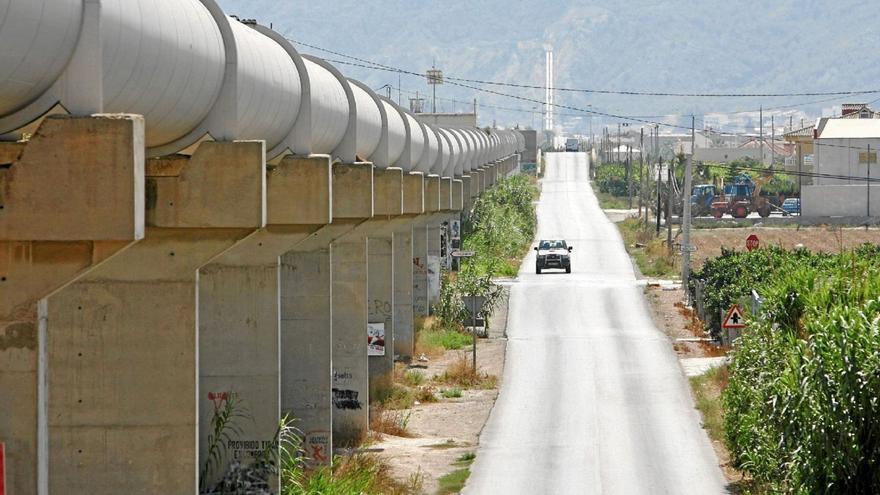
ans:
x=595 y=91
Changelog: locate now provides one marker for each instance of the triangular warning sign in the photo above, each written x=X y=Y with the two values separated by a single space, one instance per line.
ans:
x=734 y=318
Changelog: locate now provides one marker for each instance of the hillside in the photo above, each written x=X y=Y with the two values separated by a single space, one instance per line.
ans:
x=708 y=46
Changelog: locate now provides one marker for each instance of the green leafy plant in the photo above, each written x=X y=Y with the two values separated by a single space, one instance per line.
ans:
x=803 y=400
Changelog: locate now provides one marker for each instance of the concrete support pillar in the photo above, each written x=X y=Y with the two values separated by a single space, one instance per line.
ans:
x=312 y=274
x=122 y=347
x=380 y=291
x=53 y=230
x=350 y=361
x=420 y=269
x=403 y=267
x=433 y=269
x=240 y=309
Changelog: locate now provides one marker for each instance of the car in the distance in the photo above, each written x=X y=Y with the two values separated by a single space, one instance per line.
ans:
x=553 y=253
x=792 y=206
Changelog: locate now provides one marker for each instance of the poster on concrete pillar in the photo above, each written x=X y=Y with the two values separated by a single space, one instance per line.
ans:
x=375 y=339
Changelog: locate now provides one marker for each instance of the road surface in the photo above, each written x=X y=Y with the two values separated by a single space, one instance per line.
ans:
x=593 y=399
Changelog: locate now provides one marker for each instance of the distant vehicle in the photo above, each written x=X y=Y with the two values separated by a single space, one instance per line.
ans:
x=553 y=253
x=702 y=197
x=572 y=144
x=792 y=206
x=743 y=197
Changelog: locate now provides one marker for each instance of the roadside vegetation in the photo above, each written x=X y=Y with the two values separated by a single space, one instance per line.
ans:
x=499 y=231
x=648 y=250
x=454 y=482
x=797 y=407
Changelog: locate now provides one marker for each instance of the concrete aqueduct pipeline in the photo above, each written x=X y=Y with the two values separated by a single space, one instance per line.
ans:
x=193 y=213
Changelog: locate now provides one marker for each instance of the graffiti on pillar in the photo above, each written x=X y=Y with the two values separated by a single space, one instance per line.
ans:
x=317 y=446
x=420 y=288
x=433 y=273
x=376 y=339
x=381 y=308
x=346 y=399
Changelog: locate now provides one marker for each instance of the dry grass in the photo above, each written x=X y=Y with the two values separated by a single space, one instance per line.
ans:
x=426 y=394
x=825 y=239
x=462 y=374
x=389 y=422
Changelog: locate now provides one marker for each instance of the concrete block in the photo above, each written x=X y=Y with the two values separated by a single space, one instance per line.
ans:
x=445 y=193
x=380 y=310
x=198 y=192
x=388 y=186
x=77 y=178
x=350 y=364
x=300 y=191
x=457 y=195
x=353 y=190
x=432 y=194
x=414 y=193
x=52 y=230
x=404 y=336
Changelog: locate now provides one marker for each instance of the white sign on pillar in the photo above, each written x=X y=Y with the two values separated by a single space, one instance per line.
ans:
x=376 y=339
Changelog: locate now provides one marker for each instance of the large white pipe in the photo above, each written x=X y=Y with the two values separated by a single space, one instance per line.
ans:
x=192 y=71
x=396 y=134
x=369 y=123
x=329 y=109
x=37 y=40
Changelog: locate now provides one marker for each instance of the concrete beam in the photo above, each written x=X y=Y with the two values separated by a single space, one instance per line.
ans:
x=353 y=184
x=457 y=204
x=122 y=347
x=414 y=193
x=52 y=230
x=389 y=192
x=445 y=193
x=432 y=194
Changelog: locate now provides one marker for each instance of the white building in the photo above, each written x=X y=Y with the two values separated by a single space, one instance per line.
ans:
x=841 y=162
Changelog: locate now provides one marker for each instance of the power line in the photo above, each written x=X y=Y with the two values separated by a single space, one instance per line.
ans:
x=376 y=66
x=599 y=91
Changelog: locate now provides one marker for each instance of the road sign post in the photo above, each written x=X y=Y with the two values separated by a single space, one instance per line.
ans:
x=470 y=254
x=2 y=468
x=733 y=322
x=752 y=242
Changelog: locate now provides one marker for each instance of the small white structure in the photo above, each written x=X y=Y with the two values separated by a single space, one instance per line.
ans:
x=842 y=164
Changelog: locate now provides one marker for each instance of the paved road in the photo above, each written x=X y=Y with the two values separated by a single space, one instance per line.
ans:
x=593 y=399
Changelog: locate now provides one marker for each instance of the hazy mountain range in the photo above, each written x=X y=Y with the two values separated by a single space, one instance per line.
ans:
x=714 y=46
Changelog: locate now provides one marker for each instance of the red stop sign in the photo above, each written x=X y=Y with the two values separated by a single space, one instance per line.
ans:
x=752 y=242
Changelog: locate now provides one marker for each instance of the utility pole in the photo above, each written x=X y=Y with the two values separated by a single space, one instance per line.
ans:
x=761 y=118
x=642 y=172
x=869 y=180
x=659 y=185
x=629 y=176
x=772 y=140
x=618 y=142
x=669 y=192
x=800 y=152
x=686 y=213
